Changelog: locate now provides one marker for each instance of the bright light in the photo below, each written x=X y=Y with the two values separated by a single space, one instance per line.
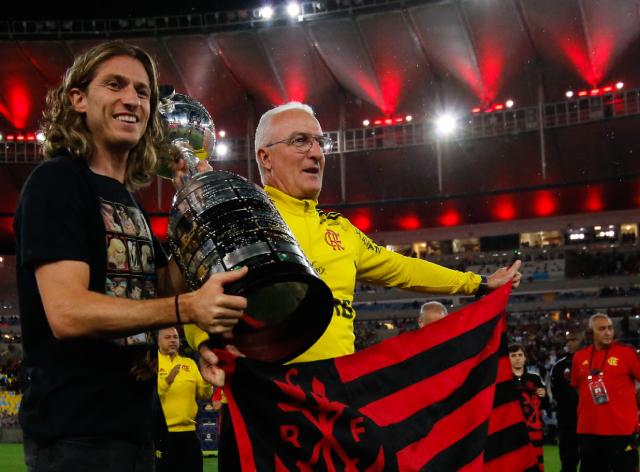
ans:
x=597 y=228
x=569 y=94
x=0 y=137
x=221 y=134
x=1 y=259
x=222 y=149
x=445 y=125
x=476 y=110
x=509 y=103
x=575 y=237
x=582 y=94
x=595 y=92
x=40 y=136
x=388 y=122
x=266 y=12
x=377 y=122
x=498 y=107
x=365 y=122
x=619 y=85
x=293 y=9
x=607 y=89
x=409 y=118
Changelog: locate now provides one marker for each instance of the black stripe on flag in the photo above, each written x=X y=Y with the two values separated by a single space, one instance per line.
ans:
x=456 y=456
x=505 y=441
x=388 y=380
x=420 y=424
x=505 y=393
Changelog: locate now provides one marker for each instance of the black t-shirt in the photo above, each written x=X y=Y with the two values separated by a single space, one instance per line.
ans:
x=565 y=395
x=532 y=405
x=85 y=387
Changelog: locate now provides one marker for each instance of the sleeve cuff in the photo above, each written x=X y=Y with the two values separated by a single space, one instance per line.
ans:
x=482 y=288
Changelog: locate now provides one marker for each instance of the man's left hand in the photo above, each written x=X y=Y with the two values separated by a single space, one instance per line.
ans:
x=541 y=392
x=503 y=276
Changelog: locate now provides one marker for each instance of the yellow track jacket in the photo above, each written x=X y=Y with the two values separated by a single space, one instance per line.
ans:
x=341 y=254
x=179 y=399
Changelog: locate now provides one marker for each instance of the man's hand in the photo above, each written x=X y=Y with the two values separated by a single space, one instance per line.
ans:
x=503 y=276
x=210 y=308
x=173 y=373
x=180 y=167
x=541 y=392
x=209 y=364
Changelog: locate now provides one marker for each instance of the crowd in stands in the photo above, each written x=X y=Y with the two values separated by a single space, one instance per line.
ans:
x=601 y=264
x=9 y=320
x=10 y=395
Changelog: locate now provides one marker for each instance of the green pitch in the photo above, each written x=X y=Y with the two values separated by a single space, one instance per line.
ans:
x=12 y=459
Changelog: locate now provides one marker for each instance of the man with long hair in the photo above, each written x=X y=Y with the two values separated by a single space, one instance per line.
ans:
x=90 y=403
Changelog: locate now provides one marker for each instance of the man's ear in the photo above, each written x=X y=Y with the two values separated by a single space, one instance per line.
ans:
x=264 y=158
x=78 y=100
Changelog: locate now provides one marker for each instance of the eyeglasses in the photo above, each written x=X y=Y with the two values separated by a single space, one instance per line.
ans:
x=304 y=142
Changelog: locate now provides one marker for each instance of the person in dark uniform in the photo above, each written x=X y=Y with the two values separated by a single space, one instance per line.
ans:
x=567 y=400
x=532 y=395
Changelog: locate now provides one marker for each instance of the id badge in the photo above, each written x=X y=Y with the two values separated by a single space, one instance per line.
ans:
x=598 y=392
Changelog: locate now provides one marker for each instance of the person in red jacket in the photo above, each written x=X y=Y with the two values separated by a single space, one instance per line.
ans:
x=605 y=375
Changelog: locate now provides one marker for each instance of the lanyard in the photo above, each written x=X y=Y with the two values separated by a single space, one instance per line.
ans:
x=593 y=372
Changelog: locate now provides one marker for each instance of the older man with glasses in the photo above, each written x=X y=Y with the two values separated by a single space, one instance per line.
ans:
x=290 y=151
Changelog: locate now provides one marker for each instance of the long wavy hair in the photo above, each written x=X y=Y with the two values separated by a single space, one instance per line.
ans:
x=66 y=129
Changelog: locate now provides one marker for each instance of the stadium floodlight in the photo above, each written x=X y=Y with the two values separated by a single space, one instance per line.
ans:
x=409 y=118
x=221 y=150
x=509 y=103
x=446 y=124
x=569 y=94
x=221 y=133
x=365 y=122
x=293 y=9
x=619 y=85
x=40 y=136
x=266 y=12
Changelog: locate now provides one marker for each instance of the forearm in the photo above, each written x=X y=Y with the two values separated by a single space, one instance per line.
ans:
x=90 y=314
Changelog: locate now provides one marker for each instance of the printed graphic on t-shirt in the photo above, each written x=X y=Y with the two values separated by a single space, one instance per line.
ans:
x=146 y=256
x=117 y=285
x=141 y=224
x=126 y=222
x=135 y=288
x=117 y=253
x=109 y=217
x=149 y=289
x=134 y=257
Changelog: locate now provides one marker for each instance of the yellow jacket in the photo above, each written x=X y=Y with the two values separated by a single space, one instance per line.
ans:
x=341 y=254
x=179 y=399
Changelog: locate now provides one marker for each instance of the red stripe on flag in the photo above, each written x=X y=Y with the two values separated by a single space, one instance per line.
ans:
x=400 y=348
x=504 y=416
x=473 y=466
x=446 y=432
x=535 y=435
x=247 y=461
x=504 y=370
x=404 y=403
x=518 y=460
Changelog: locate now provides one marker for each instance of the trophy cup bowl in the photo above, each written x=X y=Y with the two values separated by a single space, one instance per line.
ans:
x=219 y=222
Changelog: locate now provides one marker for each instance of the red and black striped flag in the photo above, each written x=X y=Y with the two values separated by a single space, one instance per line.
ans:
x=437 y=399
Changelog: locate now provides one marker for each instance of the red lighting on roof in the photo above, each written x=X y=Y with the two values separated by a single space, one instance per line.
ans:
x=488 y=110
x=20 y=138
x=582 y=94
x=377 y=122
x=388 y=122
x=595 y=92
x=11 y=137
x=476 y=110
x=450 y=218
x=399 y=120
x=30 y=137
x=498 y=107
x=607 y=89
x=361 y=222
x=409 y=222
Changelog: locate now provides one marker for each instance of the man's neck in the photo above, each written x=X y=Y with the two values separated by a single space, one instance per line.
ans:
x=172 y=356
x=600 y=346
x=109 y=164
x=518 y=372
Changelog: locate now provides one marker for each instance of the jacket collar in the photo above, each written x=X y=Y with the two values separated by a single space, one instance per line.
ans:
x=292 y=205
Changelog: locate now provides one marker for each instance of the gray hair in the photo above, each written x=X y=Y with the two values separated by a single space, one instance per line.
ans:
x=597 y=316
x=264 y=126
x=433 y=306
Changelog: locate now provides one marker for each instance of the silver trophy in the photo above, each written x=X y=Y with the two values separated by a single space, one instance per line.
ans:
x=220 y=221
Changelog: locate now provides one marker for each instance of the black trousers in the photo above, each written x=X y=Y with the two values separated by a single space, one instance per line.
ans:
x=569 y=451
x=179 y=452
x=95 y=454
x=228 y=453
x=608 y=453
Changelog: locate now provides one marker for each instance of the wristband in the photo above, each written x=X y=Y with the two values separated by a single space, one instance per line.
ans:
x=178 y=311
x=482 y=288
